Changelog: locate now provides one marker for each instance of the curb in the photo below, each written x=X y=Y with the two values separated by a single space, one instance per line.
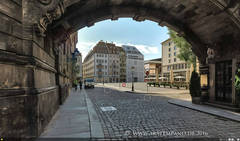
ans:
x=96 y=130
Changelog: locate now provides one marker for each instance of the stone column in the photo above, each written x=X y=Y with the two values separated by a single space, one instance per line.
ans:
x=234 y=68
x=204 y=76
x=212 y=82
x=157 y=74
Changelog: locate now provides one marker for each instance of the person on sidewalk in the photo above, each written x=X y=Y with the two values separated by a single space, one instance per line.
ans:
x=75 y=84
x=80 y=84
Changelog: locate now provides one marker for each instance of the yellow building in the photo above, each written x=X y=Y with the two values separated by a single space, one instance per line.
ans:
x=174 y=69
x=154 y=67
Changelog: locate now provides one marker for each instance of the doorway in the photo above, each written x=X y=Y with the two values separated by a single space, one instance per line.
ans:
x=224 y=81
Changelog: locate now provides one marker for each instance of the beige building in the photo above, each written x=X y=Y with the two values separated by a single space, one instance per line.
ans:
x=122 y=59
x=154 y=67
x=172 y=67
x=105 y=63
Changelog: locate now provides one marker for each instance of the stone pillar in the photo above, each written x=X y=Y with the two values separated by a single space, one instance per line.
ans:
x=212 y=82
x=204 y=77
x=234 y=68
x=156 y=72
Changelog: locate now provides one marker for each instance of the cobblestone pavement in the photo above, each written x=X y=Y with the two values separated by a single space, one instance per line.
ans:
x=140 y=115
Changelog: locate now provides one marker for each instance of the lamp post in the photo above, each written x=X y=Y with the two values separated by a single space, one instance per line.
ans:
x=132 y=79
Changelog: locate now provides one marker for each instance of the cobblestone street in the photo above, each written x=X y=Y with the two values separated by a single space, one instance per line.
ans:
x=140 y=115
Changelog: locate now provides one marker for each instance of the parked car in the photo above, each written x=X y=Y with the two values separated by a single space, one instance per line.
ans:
x=89 y=83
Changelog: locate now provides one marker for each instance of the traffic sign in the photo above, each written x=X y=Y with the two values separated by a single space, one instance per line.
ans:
x=147 y=73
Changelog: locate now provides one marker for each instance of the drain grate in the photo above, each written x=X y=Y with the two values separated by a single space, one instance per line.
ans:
x=109 y=108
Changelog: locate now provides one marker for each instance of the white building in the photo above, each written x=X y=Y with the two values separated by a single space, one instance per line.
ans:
x=134 y=64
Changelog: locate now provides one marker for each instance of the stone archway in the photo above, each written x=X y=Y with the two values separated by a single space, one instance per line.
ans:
x=36 y=33
x=205 y=24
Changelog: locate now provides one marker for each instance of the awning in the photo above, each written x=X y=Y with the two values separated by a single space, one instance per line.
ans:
x=163 y=78
x=180 y=77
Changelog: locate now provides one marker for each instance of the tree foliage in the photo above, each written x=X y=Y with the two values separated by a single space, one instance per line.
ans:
x=185 y=49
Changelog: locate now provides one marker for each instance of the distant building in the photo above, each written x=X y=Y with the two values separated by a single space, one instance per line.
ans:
x=172 y=66
x=154 y=67
x=122 y=55
x=78 y=56
x=134 y=64
x=105 y=63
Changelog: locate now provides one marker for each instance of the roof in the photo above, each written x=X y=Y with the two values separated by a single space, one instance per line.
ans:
x=105 y=48
x=155 y=61
x=166 y=40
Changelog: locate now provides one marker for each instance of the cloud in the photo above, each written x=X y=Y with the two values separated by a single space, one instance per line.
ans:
x=85 y=47
x=144 y=49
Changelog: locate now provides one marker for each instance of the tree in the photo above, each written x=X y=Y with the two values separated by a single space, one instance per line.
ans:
x=185 y=49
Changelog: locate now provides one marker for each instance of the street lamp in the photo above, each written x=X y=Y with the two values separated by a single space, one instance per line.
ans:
x=132 y=78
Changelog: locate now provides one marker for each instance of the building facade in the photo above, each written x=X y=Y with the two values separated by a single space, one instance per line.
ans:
x=105 y=63
x=78 y=57
x=154 y=68
x=88 y=66
x=134 y=64
x=172 y=67
x=122 y=55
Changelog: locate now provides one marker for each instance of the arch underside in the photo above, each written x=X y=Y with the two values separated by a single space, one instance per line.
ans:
x=203 y=23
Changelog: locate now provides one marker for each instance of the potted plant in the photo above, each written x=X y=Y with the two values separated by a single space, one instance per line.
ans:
x=195 y=88
x=237 y=85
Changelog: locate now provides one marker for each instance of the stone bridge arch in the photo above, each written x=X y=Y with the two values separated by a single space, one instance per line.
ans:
x=205 y=24
x=36 y=34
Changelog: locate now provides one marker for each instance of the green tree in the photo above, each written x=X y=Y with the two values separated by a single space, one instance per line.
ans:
x=185 y=49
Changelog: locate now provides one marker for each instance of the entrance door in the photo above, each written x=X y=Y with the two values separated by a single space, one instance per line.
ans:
x=224 y=81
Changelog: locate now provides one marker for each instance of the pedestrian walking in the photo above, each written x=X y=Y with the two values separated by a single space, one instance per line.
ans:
x=75 y=84
x=80 y=84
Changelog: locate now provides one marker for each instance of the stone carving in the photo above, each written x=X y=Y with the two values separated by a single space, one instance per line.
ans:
x=12 y=43
x=45 y=2
x=210 y=53
x=49 y=17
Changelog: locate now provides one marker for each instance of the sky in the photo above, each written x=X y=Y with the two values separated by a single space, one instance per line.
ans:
x=146 y=36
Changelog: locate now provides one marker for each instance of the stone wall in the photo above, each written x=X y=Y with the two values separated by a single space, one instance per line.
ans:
x=30 y=90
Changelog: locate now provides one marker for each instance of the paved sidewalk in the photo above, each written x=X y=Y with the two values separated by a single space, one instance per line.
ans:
x=140 y=88
x=207 y=109
x=76 y=118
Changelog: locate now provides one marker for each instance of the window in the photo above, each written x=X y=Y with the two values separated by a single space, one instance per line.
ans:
x=169 y=49
x=175 y=54
x=175 y=48
x=169 y=43
x=175 y=59
x=169 y=61
x=169 y=55
x=135 y=62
